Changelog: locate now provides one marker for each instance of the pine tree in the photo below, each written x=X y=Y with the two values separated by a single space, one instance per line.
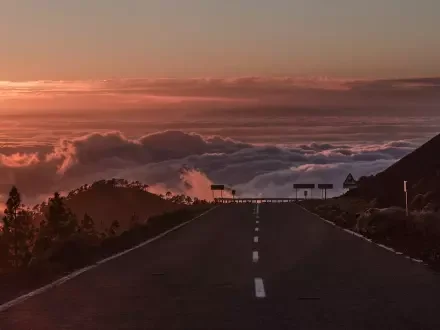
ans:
x=61 y=222
x=87 y=226
x=113 y=228
x=18 y=229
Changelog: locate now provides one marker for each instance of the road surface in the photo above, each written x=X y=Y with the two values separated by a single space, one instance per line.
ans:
x=232 y=269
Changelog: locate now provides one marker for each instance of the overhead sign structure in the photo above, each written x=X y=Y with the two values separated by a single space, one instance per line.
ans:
x=349 y=182
x=220 y=187
x=217 y=187
x=297 y=186
x=324 y=187
x=303 y=185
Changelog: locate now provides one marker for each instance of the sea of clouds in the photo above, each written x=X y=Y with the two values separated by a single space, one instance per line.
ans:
x=259 y=135
x=158 y=158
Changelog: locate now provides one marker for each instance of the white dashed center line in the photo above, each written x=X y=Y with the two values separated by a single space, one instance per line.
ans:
x=255 y=256
x=259 y=288
x=256 y=239
x=256 y=229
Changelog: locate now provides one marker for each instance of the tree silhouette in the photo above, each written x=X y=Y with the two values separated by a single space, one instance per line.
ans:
x=178 y=199
x=168 y=194
x=61 y=222
x=134 y=220
x=87 y=226
x=113 y=228
x=18 y=229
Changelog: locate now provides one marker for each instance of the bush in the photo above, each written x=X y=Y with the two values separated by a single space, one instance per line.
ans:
x=383 y=222
x=427 y=223
x=73 y=253
x=417 y=202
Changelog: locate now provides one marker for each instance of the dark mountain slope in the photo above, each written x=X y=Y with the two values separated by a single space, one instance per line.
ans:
x=421 y=169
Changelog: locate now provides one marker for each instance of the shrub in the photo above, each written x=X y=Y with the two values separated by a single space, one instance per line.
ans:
x=383 y=222
x=427 y=223
x=417 y=202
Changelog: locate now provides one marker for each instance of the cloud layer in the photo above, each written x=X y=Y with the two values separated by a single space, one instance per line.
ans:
x=158 y=159
x=245 y=91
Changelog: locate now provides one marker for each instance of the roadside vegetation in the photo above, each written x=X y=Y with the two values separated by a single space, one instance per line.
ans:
x=40 y=244
x=416 y=235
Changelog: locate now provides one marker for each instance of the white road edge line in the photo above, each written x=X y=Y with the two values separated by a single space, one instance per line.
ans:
x=256 y=239
x=259 y=288
x=255 y=256
x=364 y=238
x=78 y=272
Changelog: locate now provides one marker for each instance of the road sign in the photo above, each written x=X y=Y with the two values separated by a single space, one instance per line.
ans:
x=218 y=187
x=325 y=185
x=304 y=186
x=349 y=182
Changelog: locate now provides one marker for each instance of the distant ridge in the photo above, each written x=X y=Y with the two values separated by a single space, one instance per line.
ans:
x=107 y=201
x=421 y=168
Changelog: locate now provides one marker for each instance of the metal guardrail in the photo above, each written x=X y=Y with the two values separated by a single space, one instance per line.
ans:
x=255 y=200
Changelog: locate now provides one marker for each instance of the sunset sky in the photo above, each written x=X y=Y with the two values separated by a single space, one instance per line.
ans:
x=68 y=54
x=98 y=39
x=258 y=93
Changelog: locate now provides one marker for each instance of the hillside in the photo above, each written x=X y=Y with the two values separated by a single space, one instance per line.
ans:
x=106 y=201
x=421 y=169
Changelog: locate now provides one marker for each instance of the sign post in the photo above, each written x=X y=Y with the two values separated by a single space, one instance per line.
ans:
x=220 y=187
x=349 y=182
x=297 y=186
x=406 y=196
x=324 y=187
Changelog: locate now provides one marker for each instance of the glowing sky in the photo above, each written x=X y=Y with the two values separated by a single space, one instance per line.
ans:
x=100 y=39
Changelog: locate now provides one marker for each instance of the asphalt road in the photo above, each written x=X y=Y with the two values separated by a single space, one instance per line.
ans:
x=309 y=274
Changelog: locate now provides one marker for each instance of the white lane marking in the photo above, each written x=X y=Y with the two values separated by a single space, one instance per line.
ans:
x=255 y=256
x=365 y=238
x=259 y=288
x=78 y=272
x=386 y=248
x=257 y=229
x=356 y=234
x=257 y=222
x=256 y=239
